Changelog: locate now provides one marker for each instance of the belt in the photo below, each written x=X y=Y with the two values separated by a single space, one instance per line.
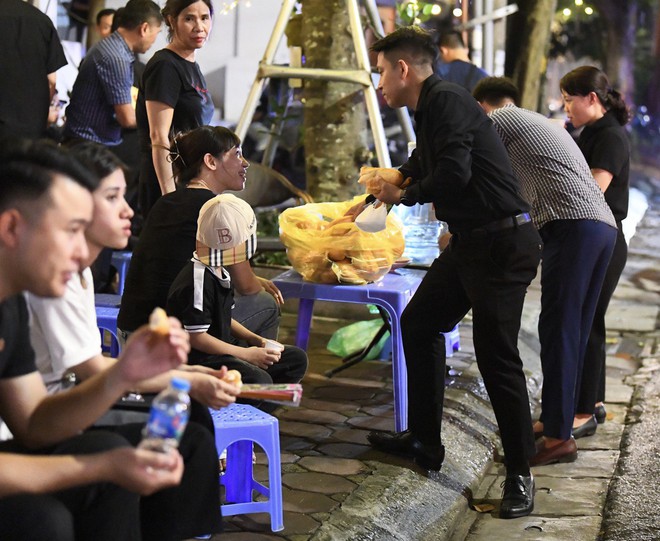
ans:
x=499 y=225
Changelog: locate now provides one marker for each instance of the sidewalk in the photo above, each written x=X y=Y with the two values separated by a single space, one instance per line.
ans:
x=337 y=488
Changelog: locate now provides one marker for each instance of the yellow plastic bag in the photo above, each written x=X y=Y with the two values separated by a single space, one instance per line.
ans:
x=326 y=247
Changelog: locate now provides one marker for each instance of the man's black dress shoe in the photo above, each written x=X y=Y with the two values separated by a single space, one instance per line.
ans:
x=587 y=429
x=517 y=496
x=600 y=413
x=429 y=457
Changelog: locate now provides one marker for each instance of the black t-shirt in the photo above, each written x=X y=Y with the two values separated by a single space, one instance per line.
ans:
x=166 y=243
x=170 y=79
x=30 y=51
x=215 y=314
x=605 y=145
x=460 y=163
x=16 y=354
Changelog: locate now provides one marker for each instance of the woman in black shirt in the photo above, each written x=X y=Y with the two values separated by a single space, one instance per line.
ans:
x=591 y=102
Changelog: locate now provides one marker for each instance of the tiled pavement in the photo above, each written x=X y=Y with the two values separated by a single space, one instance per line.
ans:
x=336 y=488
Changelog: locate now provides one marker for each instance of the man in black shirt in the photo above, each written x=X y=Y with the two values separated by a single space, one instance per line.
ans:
x=31 y=54
x=56 y=483
x=462 y=167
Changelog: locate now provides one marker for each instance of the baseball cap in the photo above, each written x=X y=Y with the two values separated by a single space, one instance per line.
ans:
x=226 y=231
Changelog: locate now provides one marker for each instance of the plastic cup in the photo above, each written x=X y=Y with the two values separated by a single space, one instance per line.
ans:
x=273 y=344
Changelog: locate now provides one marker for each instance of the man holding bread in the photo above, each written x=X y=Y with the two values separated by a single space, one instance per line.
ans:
x=462 y=167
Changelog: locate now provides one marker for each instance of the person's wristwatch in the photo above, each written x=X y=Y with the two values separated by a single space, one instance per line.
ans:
x=405 y=199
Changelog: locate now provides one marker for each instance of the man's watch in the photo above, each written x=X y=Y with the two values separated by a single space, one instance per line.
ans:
x=405 y=199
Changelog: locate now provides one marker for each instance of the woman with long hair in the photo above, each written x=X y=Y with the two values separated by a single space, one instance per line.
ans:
x=173 y=96
x=593 y=104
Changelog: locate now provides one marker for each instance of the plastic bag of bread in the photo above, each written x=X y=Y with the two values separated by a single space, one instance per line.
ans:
x=325 y=246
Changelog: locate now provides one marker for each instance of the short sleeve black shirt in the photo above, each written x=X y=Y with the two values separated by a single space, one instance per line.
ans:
x=170 y=79
x=166 y=243
x=16 y=354
x=215 y=315
x=605 y=146
x=31 y=50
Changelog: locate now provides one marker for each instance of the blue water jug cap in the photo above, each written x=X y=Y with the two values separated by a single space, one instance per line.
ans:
x=180 y=384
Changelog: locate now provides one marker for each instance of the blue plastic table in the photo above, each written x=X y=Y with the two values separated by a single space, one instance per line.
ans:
x=392 y=293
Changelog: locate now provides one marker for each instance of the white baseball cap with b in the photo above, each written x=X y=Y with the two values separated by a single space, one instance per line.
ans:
x=226 y=231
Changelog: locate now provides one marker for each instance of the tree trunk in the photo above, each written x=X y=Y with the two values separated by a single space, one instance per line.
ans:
x=619 y=18
x=529 y=39
x=335 y=122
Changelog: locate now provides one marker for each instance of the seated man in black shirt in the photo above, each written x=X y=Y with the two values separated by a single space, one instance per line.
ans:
x=462 y=167
x=202 y=297
x=54 y=482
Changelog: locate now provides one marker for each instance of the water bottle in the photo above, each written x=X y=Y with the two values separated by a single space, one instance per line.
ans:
x=420 y=229
x=168 y=418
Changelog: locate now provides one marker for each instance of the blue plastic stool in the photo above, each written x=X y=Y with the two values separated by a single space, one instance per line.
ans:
x=237 y=427
x=106 y=320
x=121 y=261
x=392 y=293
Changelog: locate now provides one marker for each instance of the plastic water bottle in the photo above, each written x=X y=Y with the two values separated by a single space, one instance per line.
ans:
x=168 y=418
x=420 y=229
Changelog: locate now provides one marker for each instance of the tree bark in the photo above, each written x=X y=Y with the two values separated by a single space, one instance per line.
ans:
x=619 y=19
x=527 y=48
x=335 y=122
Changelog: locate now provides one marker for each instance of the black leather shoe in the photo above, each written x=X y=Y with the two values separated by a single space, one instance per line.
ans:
x=587 y=429
x=517 y=496
x=600 y=413
x=429 y=457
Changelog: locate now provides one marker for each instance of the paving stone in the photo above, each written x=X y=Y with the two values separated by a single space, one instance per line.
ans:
x=344 y=450
x=374 y=383
x=302 y=501
x=588 y=464
x=313 y=416
x=617 y=392
x=335 y=466
x=327 y=405
x=372 y=423
x=323 y=483
x=291 y=443
x=353 y=435
x=384 y=410
x=304 y=430
x=618 y=365
x=608 y=436
x=635 y=317
x=343 y=393
x=535 y=529
x=561 y=496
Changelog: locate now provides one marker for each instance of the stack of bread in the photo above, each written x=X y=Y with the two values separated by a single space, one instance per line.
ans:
x=325 y=246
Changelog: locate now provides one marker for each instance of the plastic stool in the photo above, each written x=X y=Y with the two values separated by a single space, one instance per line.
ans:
x=106 y=320
x=121 y=261
x=237 y=427
x=392 y=293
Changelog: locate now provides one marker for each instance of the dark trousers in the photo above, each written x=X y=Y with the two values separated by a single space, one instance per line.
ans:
x=193 y=507
x=575 y=257
x=102 y=511
x=592 y=387
x=290 y=369
x=489 y=273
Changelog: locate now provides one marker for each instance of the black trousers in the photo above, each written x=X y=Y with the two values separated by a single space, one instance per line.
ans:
x=489 y=273
x=576 y=254
x=193 y=507
x=98 y=512
x=592 y=386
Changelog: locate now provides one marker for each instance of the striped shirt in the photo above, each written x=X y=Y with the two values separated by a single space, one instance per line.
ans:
x=104 y=80
x=553 y=173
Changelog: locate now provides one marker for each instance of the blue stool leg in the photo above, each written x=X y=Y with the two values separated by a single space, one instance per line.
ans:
x=275 y=482
x=305 y=311
x=238 y=477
